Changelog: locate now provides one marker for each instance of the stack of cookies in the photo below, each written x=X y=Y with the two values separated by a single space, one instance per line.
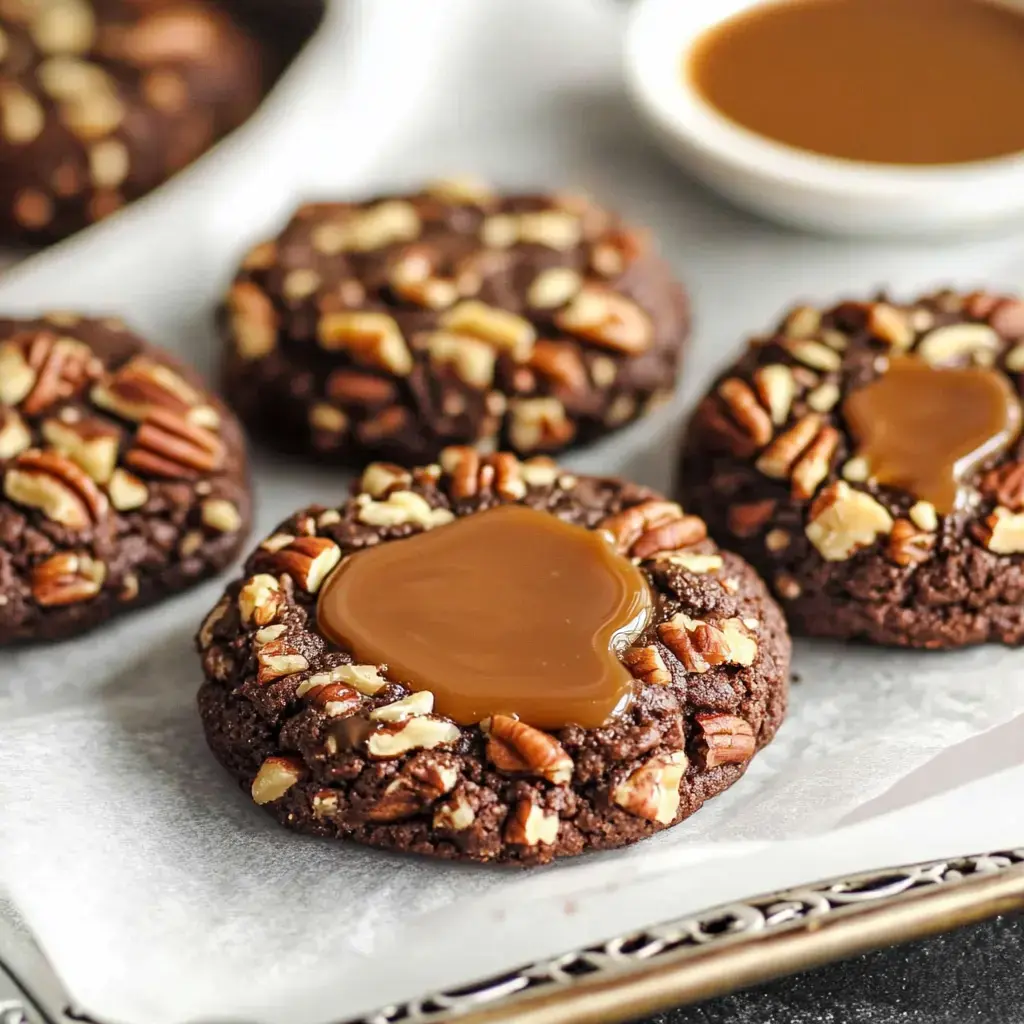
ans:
x=480 y=655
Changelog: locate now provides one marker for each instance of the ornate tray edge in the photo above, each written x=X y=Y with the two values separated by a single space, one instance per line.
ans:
x=680 y=961
x=731 y=946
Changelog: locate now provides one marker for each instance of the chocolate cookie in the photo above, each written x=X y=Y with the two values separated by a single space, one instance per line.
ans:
x=123 y=481
x=491 y=660
x=102 y=100
x=867 y=459
x=395 y=327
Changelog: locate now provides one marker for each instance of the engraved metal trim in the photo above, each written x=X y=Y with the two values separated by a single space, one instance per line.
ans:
x=684 y=960
x=682 y=940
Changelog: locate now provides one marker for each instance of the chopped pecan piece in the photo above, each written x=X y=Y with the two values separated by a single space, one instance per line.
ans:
x=841 y=521
x=46 y=369
x=960 y=344
x=90 y=443
x=1002 y=532
x=411 y=706
x=424 y=732
x=499 y=328
x=538 y=423
x=607 y=318
x=776 y=387
x=652 y=790
x=1006 y=485
x=67 y=578
x=472 y=473
x=909 y=545
x=454 y=815
x=308 y=560
x=254 y=321
x=374 y=339
x=423 y=781
x=518 y=748
x=14 y=435
x=401 y=507
x=530 y=825
x=647 y=665
x=276 y=776
x=725 y=739
x=699 y=645
x=379 y=478
x=260 y=600
x=278 y=659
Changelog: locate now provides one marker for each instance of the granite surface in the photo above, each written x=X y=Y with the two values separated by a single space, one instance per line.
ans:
x=972 y=976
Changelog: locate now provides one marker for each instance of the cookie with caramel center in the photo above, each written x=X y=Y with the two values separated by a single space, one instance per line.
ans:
x=491 y=659
x=867 y=458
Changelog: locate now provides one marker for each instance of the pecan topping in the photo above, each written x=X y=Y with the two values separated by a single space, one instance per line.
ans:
x=67 y=578
x=364 y=679
x=277 y=659
x=699 y=645
x=908 y=545
x=561 y=364
x=260 y=600
x=142 y=387
x=647 y=665
x=652 y=790
x=776 y=387
x=745 y=409
x=126 y=491
x=380 y=478
x=374 y=339
x=57 y=487
x=606 y=318
x=748 y=518
x=276 y=776
x=41 y=369
x=1002 y=532
x=254 y=321
x=653 y=528
x=454 y=815
x=725 y=739
x=472 y=473
x=334 y=699
x=401 y=507
x=539 y=423
x=1006 y=485
x=90 y=443
x=423 y=781
x=499 y=328
x=841 y=521
x=14 y=435
x=411 y=706
x=530 y=825
x=308 y=560
x=960 y=344
x=423 y=732
x=168 y=445
x=472 y=360
x=518 y=748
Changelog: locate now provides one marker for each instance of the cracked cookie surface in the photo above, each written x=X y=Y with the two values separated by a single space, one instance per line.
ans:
x=396 y=327
x=335 y=748
x=121 y=479
x=772 y=464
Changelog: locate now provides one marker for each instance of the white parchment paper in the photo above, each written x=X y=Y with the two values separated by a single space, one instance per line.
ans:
x=158 y=891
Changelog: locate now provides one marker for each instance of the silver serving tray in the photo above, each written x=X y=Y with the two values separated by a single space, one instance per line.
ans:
x=677 y=962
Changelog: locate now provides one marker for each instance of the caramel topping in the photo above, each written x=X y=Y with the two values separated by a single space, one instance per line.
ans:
x=924 y=429
x=883 y=81
x=510 y=611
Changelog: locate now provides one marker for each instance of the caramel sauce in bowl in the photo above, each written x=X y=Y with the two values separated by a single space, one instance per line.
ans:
x=812 y=176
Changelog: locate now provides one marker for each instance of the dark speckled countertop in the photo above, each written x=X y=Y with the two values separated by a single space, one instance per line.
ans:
x=972 y=976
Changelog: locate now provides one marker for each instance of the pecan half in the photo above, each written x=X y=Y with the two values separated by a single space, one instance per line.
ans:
x=653 y=528
x=652 y=790
x=724 y=739
x=530 y=825
x=472 y=473
x=57 y=487
x=143 y=386
x=168 y=445
x=68 y=578
x=276 y=776
x=746 y=410
x=45 y=369
x=518 y=748
x=308 y=560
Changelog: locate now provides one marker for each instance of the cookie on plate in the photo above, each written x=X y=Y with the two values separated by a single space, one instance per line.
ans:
x=491 y=660
x=395 y=327
x=121 y=479
x=867 y=459
x=102 y=100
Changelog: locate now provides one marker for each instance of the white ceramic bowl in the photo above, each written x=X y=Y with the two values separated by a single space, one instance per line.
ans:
x=786 y=184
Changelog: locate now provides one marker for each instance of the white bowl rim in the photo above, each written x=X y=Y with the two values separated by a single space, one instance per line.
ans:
x=658 y=40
